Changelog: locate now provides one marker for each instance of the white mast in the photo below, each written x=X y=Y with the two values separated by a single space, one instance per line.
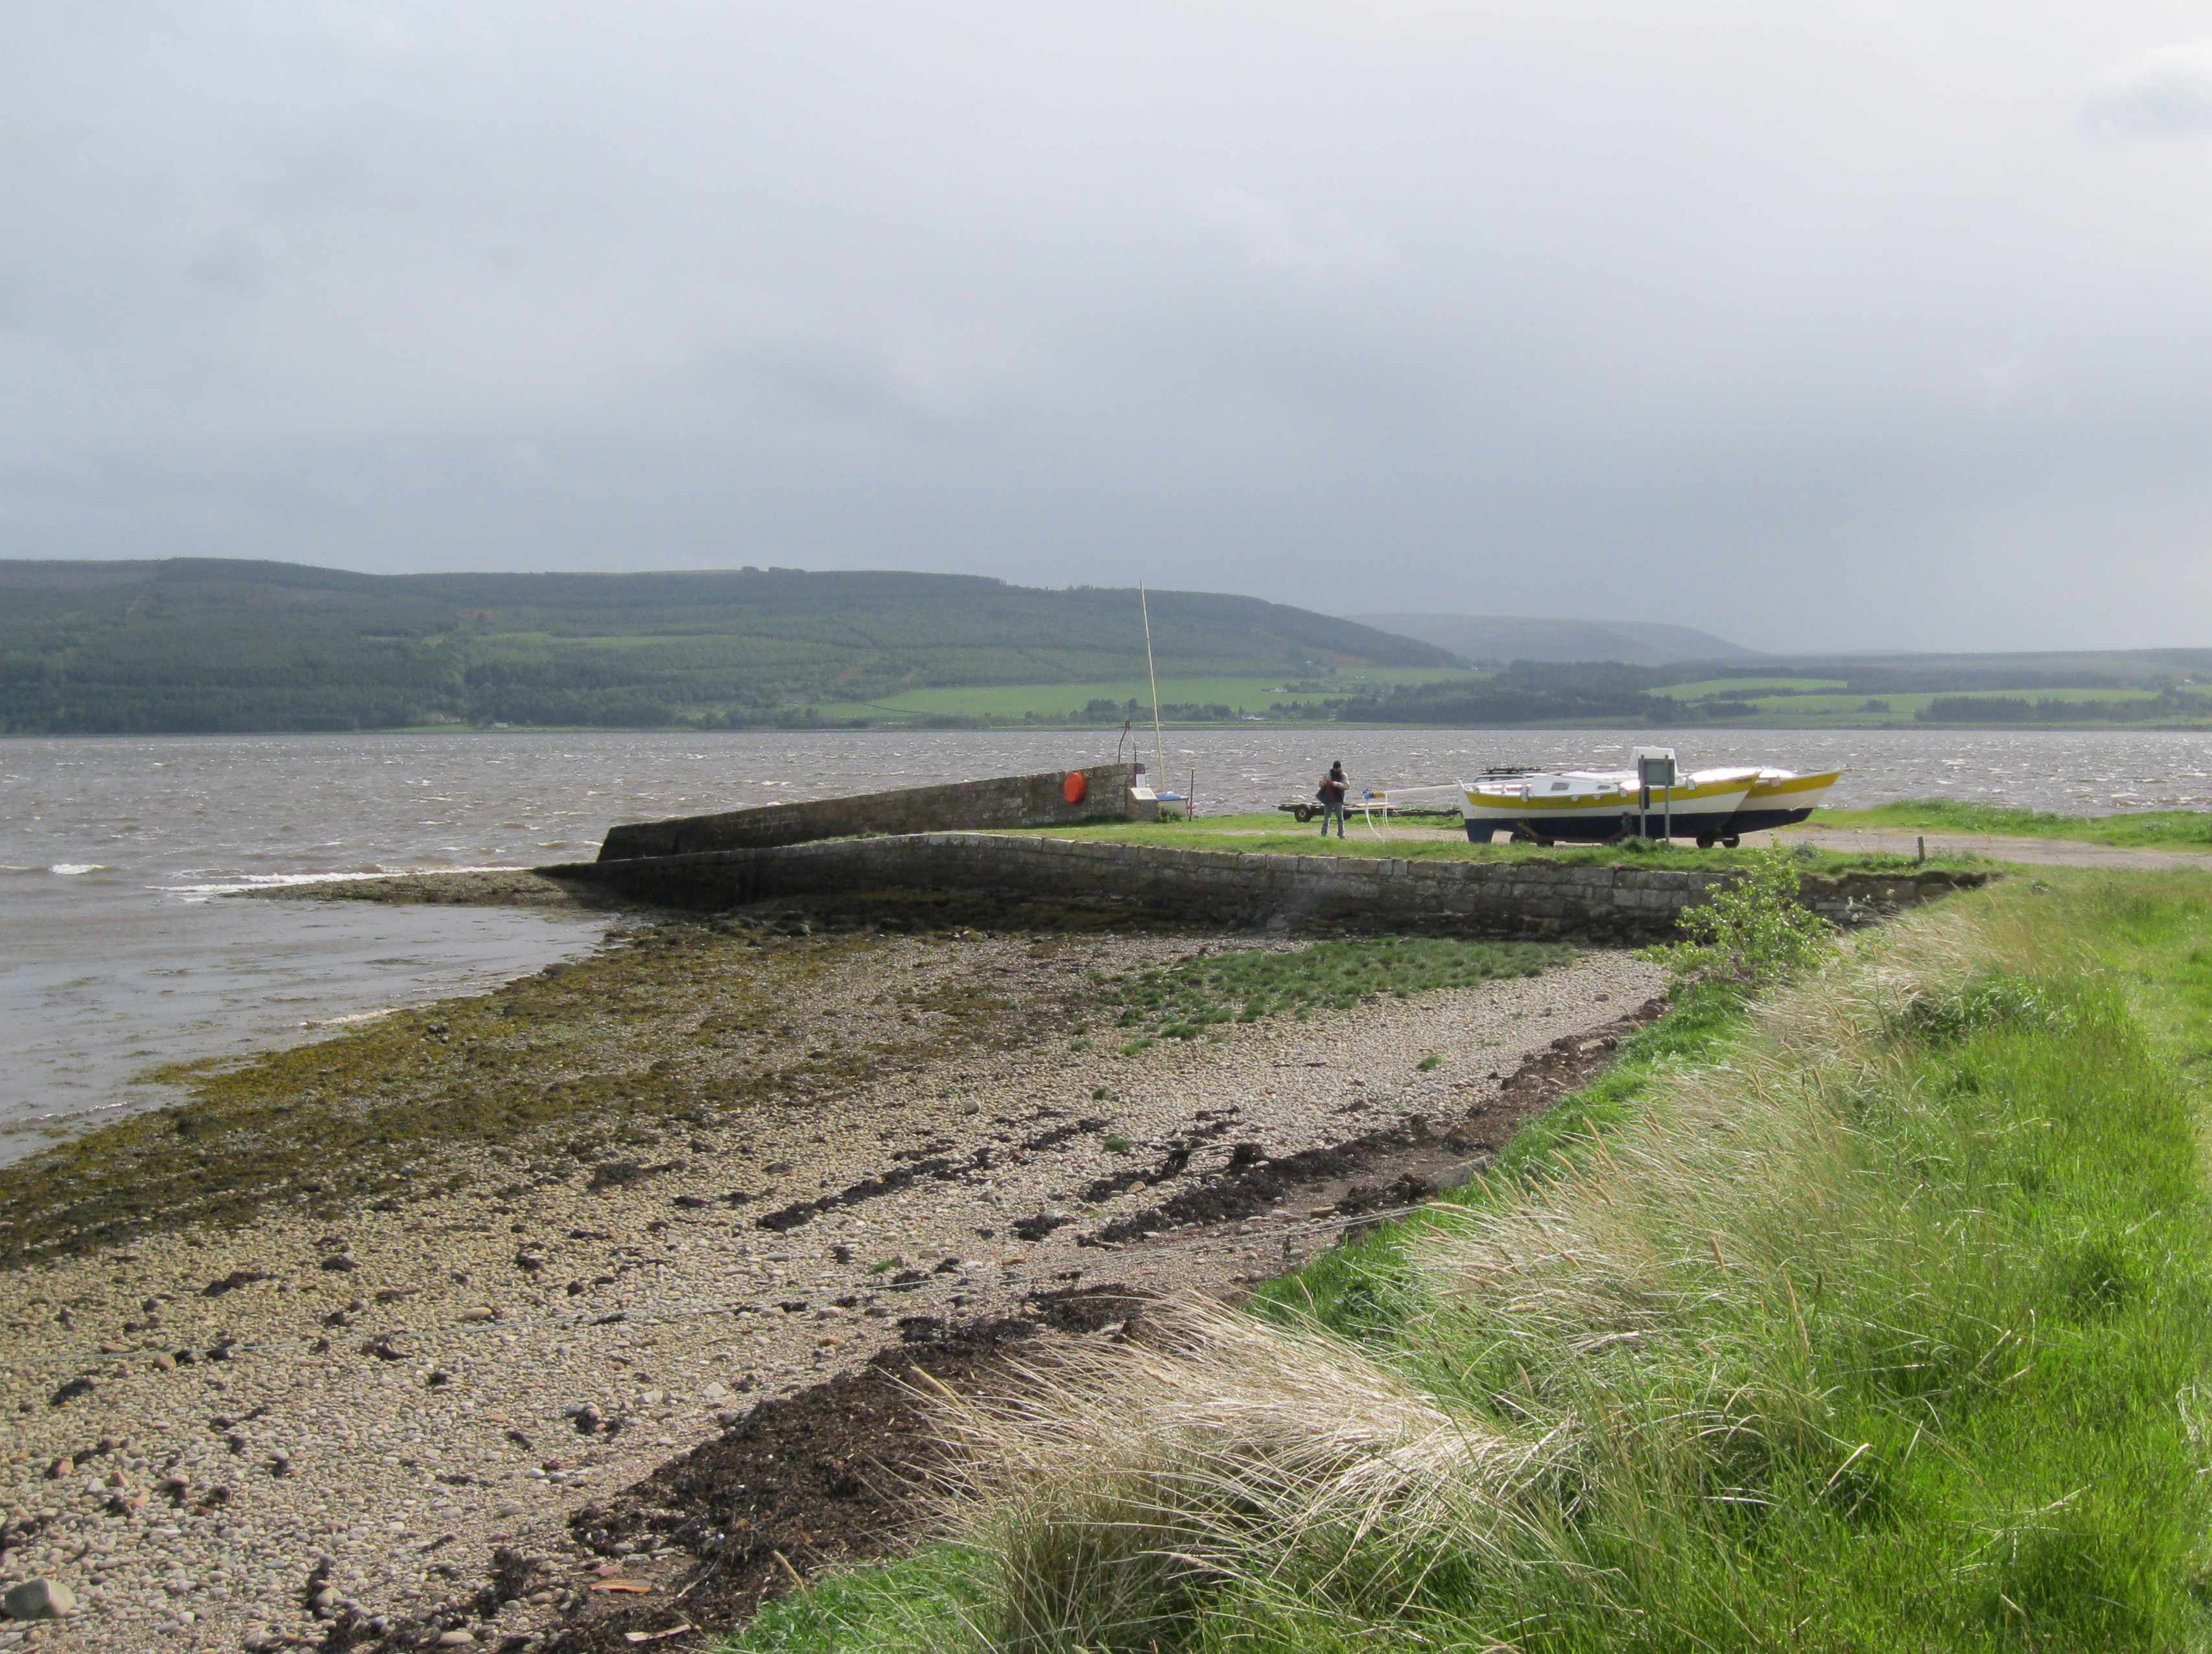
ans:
x=1159 y=760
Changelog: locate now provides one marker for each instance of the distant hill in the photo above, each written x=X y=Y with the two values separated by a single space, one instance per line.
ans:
x=204 y=644
x=1501 y=637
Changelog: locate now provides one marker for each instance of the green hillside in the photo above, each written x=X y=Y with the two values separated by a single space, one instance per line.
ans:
x=193 y=645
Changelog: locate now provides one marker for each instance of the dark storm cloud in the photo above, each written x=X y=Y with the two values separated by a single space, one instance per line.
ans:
x=1837 y=324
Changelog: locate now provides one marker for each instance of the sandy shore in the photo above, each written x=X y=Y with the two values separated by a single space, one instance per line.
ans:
x=356 y=1362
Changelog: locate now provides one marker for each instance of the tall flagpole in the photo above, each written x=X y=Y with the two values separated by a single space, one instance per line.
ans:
x=1159 y=760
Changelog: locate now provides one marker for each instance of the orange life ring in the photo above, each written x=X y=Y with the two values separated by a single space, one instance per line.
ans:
x=1075 y=789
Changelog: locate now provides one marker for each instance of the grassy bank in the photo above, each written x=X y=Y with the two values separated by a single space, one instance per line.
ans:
x=1873 y=1318
x=1276 y=835
x=2175 y=829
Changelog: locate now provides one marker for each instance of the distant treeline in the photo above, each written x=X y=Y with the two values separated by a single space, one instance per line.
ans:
x=196 y=646
x=2173 y=705
x=1544 y=692
x=1526 y=692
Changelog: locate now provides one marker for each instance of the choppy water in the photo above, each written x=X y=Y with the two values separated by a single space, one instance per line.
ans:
x=115 y=956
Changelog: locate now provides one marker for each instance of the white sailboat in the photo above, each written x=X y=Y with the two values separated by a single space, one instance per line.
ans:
x=1708 y=806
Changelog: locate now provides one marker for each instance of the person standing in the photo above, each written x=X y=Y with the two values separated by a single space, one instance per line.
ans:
x=1333 y=786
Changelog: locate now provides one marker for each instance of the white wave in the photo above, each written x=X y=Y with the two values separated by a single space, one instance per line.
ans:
x=277 y=880
x=347 y=1022
x=70 y=870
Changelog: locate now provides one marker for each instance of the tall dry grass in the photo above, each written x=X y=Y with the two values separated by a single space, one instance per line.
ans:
x=1116 y=1483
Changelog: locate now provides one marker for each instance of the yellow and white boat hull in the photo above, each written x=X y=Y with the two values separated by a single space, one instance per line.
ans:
x=1780 y=799
x=1589 y=807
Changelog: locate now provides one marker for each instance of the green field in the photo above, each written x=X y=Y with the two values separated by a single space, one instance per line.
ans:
x=1812 y=703
x=1074 y=701
x=2144 y=830
x=1874 y=1315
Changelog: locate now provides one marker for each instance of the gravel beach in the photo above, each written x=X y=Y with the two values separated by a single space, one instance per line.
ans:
x=749 y=1161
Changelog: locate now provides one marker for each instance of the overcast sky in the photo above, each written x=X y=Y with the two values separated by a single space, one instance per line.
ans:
x=1818 y=325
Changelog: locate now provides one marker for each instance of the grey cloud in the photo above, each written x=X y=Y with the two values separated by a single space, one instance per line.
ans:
x=1837 y=324
x=2162 y=93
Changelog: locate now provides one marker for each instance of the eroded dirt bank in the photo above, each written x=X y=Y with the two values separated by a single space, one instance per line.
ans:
x=308 y=1356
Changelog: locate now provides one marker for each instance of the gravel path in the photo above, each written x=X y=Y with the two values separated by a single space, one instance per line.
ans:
x=372 y=1405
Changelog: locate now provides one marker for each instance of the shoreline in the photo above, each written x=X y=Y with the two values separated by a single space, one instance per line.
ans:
x=542 y=1207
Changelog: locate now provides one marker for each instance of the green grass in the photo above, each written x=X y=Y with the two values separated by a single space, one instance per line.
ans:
x=2148 y=829
x=918 y=1601
x=1880 y=1320
x=1182 y=1000
x=1276 y=835
x=1253 y=695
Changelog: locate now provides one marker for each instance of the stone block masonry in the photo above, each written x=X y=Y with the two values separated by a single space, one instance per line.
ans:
x=1241 y=891
x=1005 y=800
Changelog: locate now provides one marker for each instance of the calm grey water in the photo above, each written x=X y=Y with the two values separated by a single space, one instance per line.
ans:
x=116 y=954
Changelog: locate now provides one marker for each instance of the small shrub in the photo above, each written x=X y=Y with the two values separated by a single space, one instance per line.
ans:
x=1750 y=934
x=1431 y=1061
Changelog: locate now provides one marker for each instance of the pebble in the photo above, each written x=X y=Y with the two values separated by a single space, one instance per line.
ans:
x=392 y=1478
x=39 y=1599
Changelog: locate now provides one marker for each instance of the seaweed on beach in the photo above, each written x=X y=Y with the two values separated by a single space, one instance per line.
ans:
x=679 y=1029
x=1184 y=1000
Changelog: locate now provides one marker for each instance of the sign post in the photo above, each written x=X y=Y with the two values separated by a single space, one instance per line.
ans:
x=1654 y=767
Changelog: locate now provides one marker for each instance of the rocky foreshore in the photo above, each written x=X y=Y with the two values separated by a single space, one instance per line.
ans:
x=299 y=1363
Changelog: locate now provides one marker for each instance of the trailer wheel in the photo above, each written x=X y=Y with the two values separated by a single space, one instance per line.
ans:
x=1705 y=841
x=1729 y=840
x=1303 y=814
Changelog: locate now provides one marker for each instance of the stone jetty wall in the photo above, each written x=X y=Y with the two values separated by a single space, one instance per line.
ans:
x=1004 y=801
x=1244 y=891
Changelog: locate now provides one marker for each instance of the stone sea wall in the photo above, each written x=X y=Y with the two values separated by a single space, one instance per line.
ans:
x=1005 y=800
x=1244 y=891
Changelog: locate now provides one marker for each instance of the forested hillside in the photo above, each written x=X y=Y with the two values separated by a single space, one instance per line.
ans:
x=193 y=644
